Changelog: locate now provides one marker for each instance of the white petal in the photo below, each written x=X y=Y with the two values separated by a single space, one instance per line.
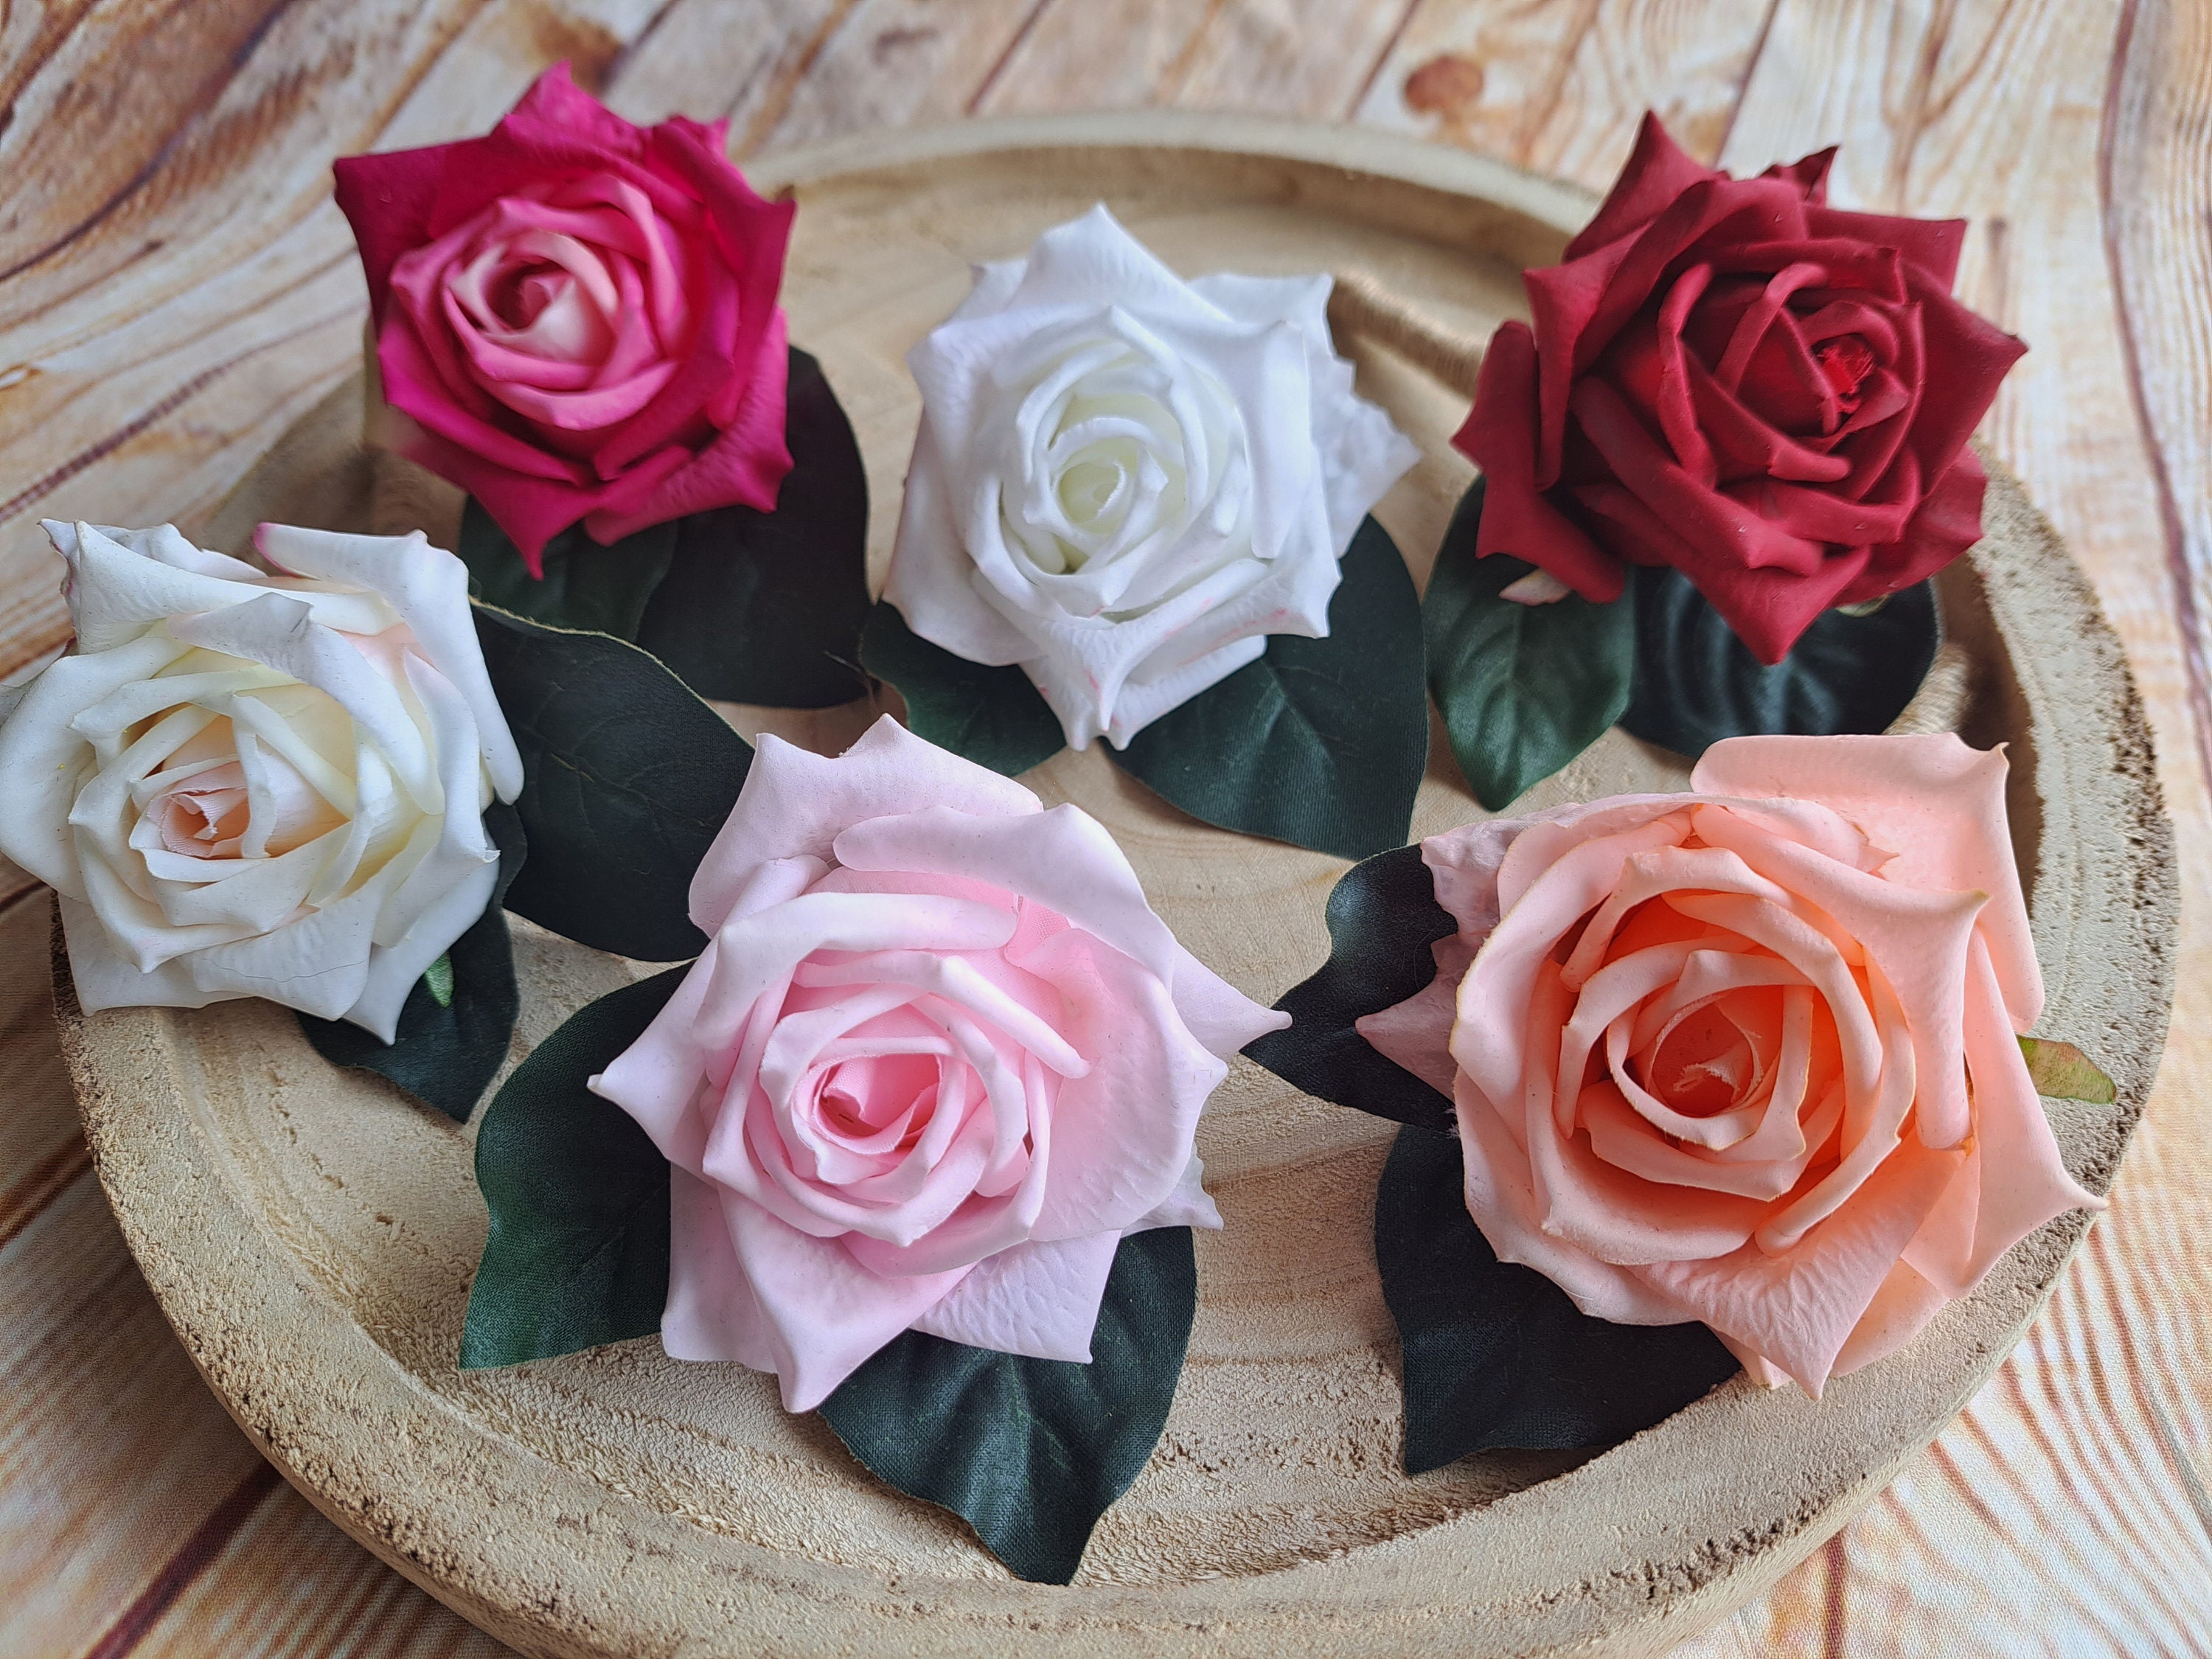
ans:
x=930 y=580
x=45 y=761
x=279 y=631
x=429 y=587
x=105 y=978
x=1094 y=260
x=319 y=965
x=393 y=969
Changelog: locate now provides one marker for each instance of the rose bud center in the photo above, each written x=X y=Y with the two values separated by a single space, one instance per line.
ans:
x=877 y=1104
x=202 y=803
x=205 y=818
x=1702 y=1064
x=1846 y=362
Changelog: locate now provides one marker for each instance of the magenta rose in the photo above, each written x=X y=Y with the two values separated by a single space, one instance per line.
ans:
x=1730 y=377
x=579 y=316
x=939 y=1057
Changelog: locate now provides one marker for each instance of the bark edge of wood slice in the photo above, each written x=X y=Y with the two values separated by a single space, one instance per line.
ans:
x=310 y=1235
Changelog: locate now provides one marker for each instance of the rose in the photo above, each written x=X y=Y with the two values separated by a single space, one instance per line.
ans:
x=1746 y=1055
x=1124 y=482
x=938 y=1058
x=578 y=315
x=247 y=785
x=1732 y=378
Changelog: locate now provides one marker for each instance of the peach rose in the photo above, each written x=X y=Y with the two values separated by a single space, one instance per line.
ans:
x=1746 y=1055
x=939 y=1057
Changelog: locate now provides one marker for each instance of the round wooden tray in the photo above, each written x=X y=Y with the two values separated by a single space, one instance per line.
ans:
x=311 y=1235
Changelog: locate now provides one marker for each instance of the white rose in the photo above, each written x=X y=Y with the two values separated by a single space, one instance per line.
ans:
x=242 y=784
x=1124 y=482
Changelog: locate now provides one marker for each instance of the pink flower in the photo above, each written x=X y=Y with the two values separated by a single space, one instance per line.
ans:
x=939 y=1058
x=579 y=316
x=1746 y=1055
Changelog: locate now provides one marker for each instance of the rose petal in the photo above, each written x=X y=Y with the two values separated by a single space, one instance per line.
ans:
x=1501 y=1196
x=1489 y=1041
x=426 y=588
x=1517 y=520
x=1416 y=1034
x=1901 y=1310
x=1038 y=1299
x=1122 y=1132
x=1188 y=1206
x=2018 y=1178
x=1799 y=1307
x=44 y=756
x=712 y=1313
x=105 y=978
x=822 y=1314
x=1656 y=171
x=795 y=804
x=1940 y=803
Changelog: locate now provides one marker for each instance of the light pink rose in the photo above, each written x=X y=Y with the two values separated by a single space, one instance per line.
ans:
x=939 y=1057
x=1746 y=1055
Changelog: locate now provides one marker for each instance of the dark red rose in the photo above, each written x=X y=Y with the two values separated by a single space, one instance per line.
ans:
x=1730 y=377
x=578 y=315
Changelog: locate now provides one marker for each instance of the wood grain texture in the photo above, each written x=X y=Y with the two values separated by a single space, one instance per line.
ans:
x=600 y=1503
x=145 y=391
x=1557 y=86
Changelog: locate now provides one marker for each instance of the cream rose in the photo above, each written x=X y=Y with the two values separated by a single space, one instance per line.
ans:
x=939 y=1058
x=1124 y=482
x=1747 y=1055
x=243 y=784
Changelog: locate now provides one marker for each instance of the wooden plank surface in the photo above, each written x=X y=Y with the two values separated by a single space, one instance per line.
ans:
x=175 y=288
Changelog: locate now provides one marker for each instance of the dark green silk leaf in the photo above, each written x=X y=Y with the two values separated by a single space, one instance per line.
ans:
x=1031 y=1452
x=994 y=716
x=1321 y=743
x=578 y=1251
x=1523 y=689
x=446 y=1052
x=744 y=606
x=1383 y=917
x=767 y=607
x=1496 y=1355
x=1696 y=682
x=586 y=585
x=627 y=777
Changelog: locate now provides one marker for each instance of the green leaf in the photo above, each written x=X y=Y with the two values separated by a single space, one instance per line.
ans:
x=1696 y=682
x=2065 y=1072
x=744 y=606
x=1320 y=742
x=1383 y=917
x=628 y=778
x=767 y=607
x=1031 y=1452
x=578 y=1251
x=994 y=716
x=1523 y=688
x=586 y=585
x=445 y=1049
x=1496 y=1355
